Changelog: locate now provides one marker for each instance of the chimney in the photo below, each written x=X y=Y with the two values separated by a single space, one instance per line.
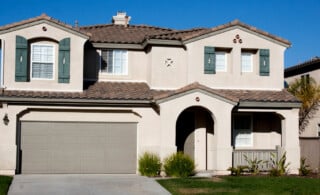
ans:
x=121 y=19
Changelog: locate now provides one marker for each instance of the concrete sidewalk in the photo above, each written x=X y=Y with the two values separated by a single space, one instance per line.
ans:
x=61 y=184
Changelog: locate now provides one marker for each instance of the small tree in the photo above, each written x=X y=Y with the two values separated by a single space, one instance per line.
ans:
x=307 y=91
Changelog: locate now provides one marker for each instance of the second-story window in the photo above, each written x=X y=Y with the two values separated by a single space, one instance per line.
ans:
x=114 y=62
x=42 y=61
x=221 y=61
x=246 y=62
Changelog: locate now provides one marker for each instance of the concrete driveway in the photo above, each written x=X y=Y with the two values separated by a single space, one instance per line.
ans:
x=84 y=185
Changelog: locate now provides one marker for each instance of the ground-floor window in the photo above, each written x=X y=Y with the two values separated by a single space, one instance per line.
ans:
x=242 y=130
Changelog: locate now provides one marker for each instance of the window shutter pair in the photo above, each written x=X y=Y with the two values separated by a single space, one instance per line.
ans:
x=21 y=72
x=209 y=60
x=264 y=62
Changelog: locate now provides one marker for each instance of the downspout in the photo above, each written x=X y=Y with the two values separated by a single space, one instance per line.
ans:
x=1 y=63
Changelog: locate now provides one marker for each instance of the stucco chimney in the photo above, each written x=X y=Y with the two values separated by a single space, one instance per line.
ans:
x=121 y=19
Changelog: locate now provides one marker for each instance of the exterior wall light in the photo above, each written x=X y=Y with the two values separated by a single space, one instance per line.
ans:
x=6 y=119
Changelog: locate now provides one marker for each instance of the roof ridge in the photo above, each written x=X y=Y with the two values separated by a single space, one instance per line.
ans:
x=129 y=26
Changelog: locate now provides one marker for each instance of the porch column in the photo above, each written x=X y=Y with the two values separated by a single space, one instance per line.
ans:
x=200 y=141
x=290 y=138
x=222 y=133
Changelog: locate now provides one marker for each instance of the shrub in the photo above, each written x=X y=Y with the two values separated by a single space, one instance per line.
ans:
x=304 y=168
x=237 y=171
x=253 y=164
x=279 y=167
x=179 y=165
x=149 y=164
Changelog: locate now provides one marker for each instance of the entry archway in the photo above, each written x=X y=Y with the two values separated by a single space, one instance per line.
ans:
x=194 y=134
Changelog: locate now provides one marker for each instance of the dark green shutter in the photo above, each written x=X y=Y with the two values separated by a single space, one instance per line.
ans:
x=64 y=61
x=264 y=62
x=21 y=72
x=209 y=60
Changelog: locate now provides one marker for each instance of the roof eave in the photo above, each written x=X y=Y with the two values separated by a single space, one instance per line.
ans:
x=40 y=21
x=174 y=96
x=222 y=30
x=265 y=104
x=73 y=102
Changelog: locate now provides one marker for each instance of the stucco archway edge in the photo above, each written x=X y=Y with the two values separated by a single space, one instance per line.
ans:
x=221 y=113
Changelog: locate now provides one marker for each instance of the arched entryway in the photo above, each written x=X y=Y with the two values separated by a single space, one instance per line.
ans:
x=195 y=134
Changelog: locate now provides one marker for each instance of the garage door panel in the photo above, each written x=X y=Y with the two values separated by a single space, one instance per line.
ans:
x=68 y=147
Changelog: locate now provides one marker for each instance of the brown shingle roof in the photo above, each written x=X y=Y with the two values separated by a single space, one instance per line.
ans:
x=131 y=34
x=185 y=35
x=138 y=33
x=98 y=91
x=141 y=91
x=234 y=95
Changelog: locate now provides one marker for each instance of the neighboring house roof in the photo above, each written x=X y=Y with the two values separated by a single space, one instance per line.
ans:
x=141 y=93
x=302 y=68
x=39 y=19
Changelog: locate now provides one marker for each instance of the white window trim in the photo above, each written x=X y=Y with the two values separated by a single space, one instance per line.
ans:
x=113 y=73
x=225 y=62
x=251 y=61
x=53 y=62
x=251 y=130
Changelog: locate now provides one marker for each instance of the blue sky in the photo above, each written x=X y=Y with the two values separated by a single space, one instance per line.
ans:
x=295 y=20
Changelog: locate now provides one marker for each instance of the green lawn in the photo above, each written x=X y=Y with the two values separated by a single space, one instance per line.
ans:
x=242 y=185
x=5 y=182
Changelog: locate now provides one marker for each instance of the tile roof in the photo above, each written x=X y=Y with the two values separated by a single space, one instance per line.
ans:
x=39 y=18
x=138 y=33
x=235 y=95
x=131 y=34
x=141 y=91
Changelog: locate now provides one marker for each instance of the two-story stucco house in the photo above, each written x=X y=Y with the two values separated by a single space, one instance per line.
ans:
x=92 y=99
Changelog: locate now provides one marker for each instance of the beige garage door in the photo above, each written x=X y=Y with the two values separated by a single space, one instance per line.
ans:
x=72 y=147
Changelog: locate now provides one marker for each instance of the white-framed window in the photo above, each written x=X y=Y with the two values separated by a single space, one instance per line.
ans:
x=246 y=62
x=242 y=130
x=42 y=61
x=221 y=61
x=114 y=62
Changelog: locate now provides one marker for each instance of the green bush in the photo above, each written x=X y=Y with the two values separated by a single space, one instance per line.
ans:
x=253 y=164
x=304 y=169
x=179 y=165
x=279 y=167
x=149 y=164
x=237 y=171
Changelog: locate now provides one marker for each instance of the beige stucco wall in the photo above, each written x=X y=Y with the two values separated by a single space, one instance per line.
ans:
x=147 y=119
x=52 y=32
x=219 y=150
x=137 y=68
x=170 y=75
x=233 y=78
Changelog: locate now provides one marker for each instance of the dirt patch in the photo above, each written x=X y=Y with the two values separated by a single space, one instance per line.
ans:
x=214 y=179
